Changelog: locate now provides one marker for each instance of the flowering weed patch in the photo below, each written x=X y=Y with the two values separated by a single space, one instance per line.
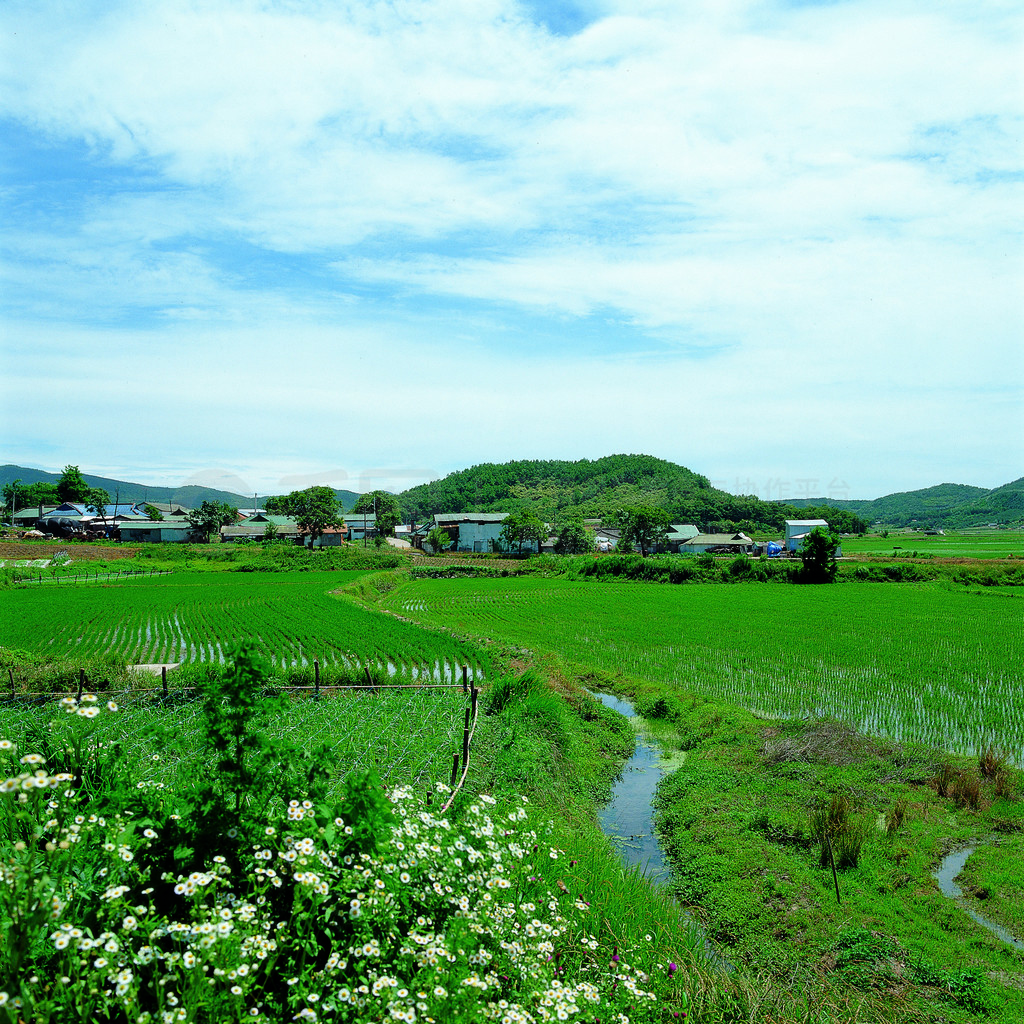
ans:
x=238 y=899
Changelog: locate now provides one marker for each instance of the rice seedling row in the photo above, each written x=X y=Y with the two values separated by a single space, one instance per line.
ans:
x=915 y=663
x=195 y=617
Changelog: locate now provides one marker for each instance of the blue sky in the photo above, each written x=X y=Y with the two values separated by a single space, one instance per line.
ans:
x=274 y=244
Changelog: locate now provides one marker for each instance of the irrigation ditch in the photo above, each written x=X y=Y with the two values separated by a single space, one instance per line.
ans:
x=627 y=819
x=946 y=874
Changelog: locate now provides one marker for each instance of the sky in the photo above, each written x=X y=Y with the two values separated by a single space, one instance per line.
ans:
x=265 y=245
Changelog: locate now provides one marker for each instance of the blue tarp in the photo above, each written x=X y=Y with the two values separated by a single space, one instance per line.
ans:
x=774 y=550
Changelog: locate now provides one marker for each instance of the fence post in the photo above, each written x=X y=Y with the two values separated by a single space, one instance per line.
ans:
x=316 y=676
x=163 y=677
x=81 y=682
x=10 y=672
x=465 y=677
x=474 y=694
x=465 y=740
x=455 y=769
x=366 y=670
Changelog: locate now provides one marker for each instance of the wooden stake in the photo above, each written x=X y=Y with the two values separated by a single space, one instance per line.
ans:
x=832 y=861
x=465 y=677
x=81 y=682
x=465 y=740
x=163 y=677
x=455 y=769
x=316 y=674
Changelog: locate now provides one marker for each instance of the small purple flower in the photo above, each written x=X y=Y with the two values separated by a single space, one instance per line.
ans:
x=672 y=969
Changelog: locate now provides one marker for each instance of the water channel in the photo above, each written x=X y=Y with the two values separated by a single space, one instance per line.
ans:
x=628 y=818
x=946 y=874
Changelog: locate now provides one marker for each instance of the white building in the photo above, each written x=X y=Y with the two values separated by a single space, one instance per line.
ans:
x=797 y=529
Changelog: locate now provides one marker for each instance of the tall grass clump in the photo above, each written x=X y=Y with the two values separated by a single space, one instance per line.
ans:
x=838 y=830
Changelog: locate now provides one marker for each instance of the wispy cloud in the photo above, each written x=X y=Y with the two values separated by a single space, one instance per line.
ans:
x=527 y=214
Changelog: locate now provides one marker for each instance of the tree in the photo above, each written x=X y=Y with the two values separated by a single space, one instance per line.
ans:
x=153 y=513
x=96 y=502
x=315 y=509
x=211 y=516
x=643 y=525
x=574 y=538
x=384 y=506
x=72 y=485
x=438 y=540
x=818 y=552
x=29 y=495
x=523 y=527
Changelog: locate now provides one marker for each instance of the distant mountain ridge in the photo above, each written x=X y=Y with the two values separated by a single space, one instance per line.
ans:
x=953 y=506
x=190 y=495
x=599 y=487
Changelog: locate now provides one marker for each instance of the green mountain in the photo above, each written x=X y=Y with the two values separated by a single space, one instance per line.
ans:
x=556 y=490
x=951 y=506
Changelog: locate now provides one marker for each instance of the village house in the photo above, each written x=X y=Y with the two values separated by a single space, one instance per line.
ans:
x=360 y=525
x=474 y=531
x=719 y=544
x=255 y=527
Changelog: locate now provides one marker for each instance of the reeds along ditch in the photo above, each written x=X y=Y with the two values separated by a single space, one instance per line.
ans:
x=840 y=831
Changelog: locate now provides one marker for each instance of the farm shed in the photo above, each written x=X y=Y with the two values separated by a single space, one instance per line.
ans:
x=26 y=517
x=148 y=531
x=797 y=529
x=680 y=533
x=332 y=537
x=474 y=531
x=255 y=528
x=719 y=544
x=360 y=525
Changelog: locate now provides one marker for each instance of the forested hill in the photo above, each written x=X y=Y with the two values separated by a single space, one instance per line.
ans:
x=952 y=506
x=598 y=488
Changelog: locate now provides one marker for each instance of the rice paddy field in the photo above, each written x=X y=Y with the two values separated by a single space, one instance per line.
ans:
x=914 y=662
x=195 y=617
x=978 y=543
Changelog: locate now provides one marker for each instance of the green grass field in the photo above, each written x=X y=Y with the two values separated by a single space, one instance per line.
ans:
x=919 y=663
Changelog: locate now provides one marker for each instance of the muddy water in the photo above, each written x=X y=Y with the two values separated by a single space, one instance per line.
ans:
x=946 y=874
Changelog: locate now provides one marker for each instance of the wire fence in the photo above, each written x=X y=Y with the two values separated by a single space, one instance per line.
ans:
x=83 y=576
x=406 y=733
